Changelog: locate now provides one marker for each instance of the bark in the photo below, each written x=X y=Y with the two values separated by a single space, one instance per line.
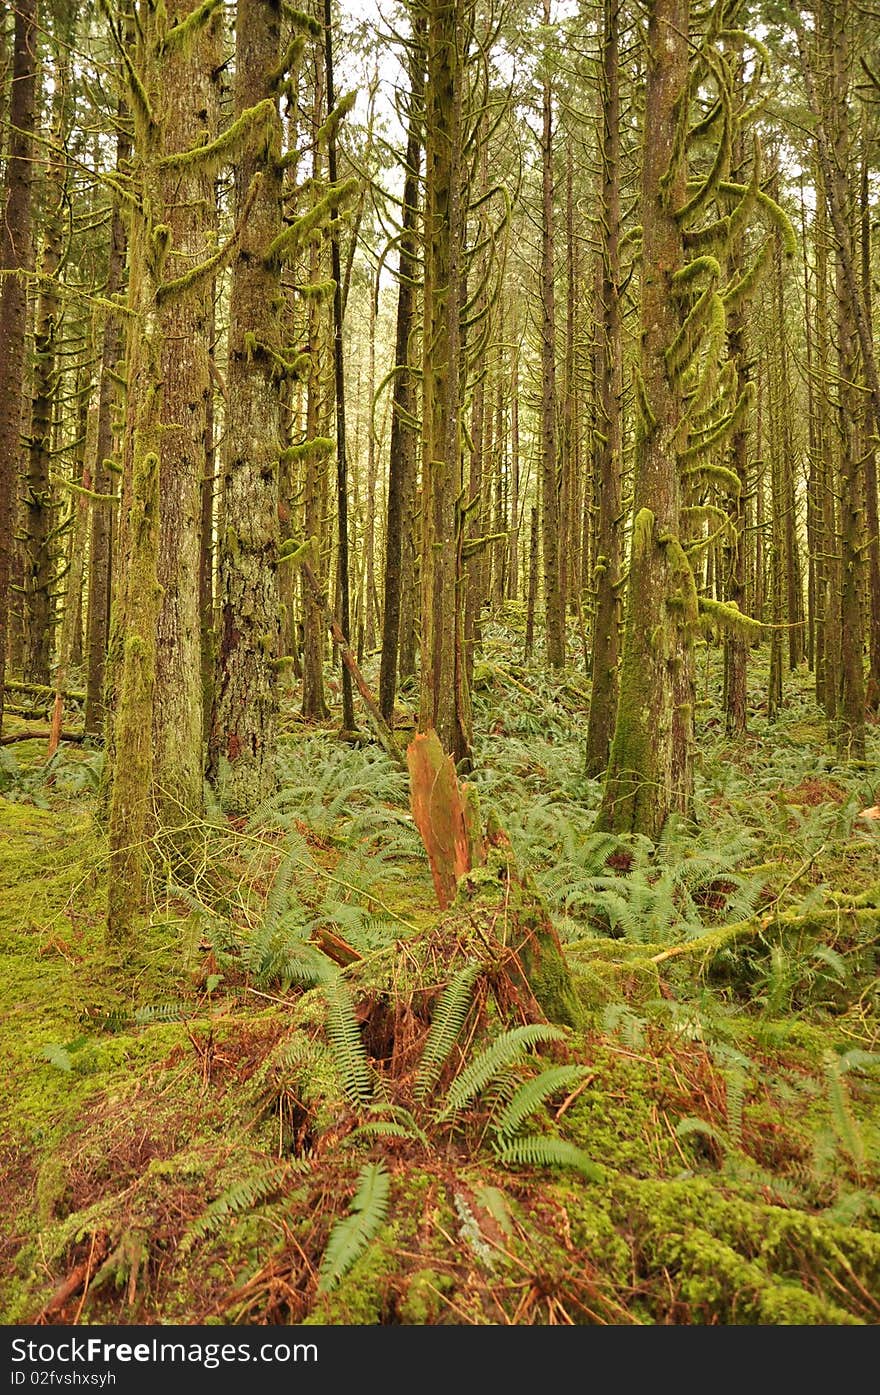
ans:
x=608 y=463
x=103 y=476
x=401 y=462
x=15 y=260
x=339 y=388
x=554 y=597
x=736 y=646
x=243 y=735
x=650 y=772
x=314 y=703
x=40 y=507
x=444 y=697
x=186 y=192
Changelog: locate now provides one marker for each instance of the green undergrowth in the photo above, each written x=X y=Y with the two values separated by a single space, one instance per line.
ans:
x=304 y=1094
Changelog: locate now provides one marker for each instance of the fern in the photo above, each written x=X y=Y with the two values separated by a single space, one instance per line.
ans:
x=507 y=1049
x=350 y=1237
x=844 y=1121
x=533 y=1093
x=536 y=1150
x=57 y=1056
x=242 y=1196
x=446 y=1024
x=685 y=1127
x=349 y=1052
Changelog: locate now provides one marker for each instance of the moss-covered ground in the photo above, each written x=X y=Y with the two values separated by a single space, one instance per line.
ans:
x=186 y=1122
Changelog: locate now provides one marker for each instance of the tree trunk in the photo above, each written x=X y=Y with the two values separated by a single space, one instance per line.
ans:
x=444 y=697
x=554 y=597
x=243 y=734
x=650 y=772
x=401 y=463
x=15 y=260
x=103 y=476
x=608 y=462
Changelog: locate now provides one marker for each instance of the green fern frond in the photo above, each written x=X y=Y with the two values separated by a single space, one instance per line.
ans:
x=685 y=1127
x=446 y=1024
x=350 y=1237
x=57 y=1056
x=533 y=1150
x=533 y=1093
x=844 y=1121
x=349 y=1052
x=389 y=1128
x=242 y=1196
x=510 y=1047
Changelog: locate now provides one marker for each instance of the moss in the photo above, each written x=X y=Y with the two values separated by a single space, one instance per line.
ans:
x=421 y=1303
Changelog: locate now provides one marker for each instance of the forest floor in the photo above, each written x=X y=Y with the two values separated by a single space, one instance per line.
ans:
x=222 y=1126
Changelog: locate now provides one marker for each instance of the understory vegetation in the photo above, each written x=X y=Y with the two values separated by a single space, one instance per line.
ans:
x=306 y=1095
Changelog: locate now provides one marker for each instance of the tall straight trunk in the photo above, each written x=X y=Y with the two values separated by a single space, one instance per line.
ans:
x=736 y=646
x=103 y=476
x=243 y=734
x=554 y=596
x=339 y=388
x=444 y=696
x=570 y=514
x=15 y=260
x=207 y=555
x=402 y=454
x=850 y=716
x=187 y=192
x=369 y=590
x=40 y=507
x=775 y=393
x=828 y=578
x=532 y=594
x=314 y=703
x=872 y=519
x=608 y=464
x=156 y=753
x=477 y=524
x=788 y=500
x=499 y=519
x=650 y=770
x=513 y=548
x=814 y=657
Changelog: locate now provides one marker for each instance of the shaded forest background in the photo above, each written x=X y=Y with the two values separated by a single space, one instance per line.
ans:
x=440 y=661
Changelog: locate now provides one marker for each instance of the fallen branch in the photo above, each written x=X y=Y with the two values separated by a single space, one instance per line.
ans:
x=79 y=1278
x=728 y=935
x=42 y=735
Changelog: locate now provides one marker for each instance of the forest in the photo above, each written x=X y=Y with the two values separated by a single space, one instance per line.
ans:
x=439 y=662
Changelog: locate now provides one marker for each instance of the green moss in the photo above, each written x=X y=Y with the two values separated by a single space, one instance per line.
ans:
x=422 y=1301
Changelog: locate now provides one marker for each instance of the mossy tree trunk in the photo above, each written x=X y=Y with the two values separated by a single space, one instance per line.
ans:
x=736 y=645
x=444 y=697
x=16 y=234
x=872 y=517
x=186 y=190
x=688 y=406
x=338 y=312
x=850 y=716
x=244 y=717
x=650 y=768
x=41 y=508
x=155 y=758
x=402 y=448
x=314 y=702
x=551 y=538
x=608 y=449
x=103 y=476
